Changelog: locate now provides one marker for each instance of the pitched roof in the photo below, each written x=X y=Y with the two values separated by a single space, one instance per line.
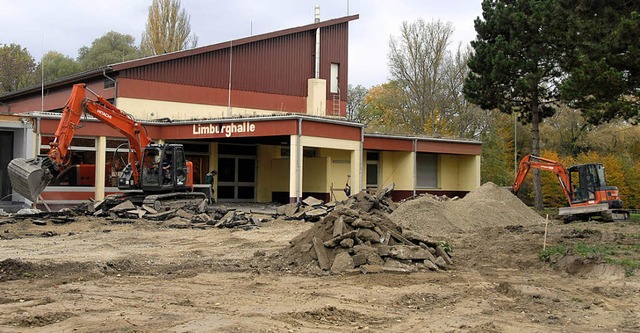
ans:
x=98 y=72
x=223 y=45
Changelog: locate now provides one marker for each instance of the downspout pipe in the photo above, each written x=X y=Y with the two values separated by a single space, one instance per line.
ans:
x=38 y=135
x=317 y=65
x=115 y=85
x=7 y=106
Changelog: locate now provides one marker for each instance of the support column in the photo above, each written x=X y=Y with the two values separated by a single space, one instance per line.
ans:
x=478 y=171
x=213 y=165
x=101 y=161
x=356 y=171
x=295 y=169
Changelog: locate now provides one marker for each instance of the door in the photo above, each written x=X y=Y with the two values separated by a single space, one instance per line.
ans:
x=236 y=178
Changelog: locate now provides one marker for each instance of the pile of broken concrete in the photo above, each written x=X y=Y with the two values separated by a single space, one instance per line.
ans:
x=201 y=216
x=357 y=236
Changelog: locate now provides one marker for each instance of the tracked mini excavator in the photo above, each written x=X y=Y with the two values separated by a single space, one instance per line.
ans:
x=584 y=186
x=157 y=175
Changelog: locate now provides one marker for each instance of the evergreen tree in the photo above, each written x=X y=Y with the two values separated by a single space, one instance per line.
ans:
x=514 y=67
x=602 y=59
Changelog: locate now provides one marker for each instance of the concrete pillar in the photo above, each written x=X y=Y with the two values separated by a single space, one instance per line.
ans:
x=295 y=169
x=356 y=171
x=101 y=161
x=213 y=165
x=478 y=171
x=317 y=97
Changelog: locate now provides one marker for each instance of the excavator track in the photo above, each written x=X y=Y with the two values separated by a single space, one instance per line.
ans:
x=175 y=200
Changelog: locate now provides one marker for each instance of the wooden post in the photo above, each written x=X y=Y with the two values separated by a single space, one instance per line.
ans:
x=546 y=227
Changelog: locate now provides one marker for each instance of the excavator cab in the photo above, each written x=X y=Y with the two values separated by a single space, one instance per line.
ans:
x=164 y=168
x=589 y=184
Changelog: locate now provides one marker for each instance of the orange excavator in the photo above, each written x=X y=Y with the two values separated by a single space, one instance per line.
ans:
x=584 y=186
x=156 y=174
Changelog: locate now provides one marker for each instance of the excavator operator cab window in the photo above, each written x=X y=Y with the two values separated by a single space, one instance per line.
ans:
x=151 y=166
x=167 y=166
x=180 y=167
x=601 y=178
x=588 y=181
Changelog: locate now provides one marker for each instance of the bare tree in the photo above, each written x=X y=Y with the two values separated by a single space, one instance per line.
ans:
x=417 y=61
x=168 y=29
x=356 y=102
x=461 y=117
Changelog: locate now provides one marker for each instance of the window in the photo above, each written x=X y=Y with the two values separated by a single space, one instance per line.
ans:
x=80 y=170
x=373 y=168
x=427 y=170
x=334 y=79
x=285 y=151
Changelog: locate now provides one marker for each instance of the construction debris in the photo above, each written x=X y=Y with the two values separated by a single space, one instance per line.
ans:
x=357 y=236
x=126 y=212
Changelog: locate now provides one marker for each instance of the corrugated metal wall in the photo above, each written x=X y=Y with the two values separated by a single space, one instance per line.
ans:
x=278 y=65
x=332 y=52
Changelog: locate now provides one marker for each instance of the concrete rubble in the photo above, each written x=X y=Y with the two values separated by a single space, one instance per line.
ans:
x=357 y=236
x=186 y=217
x=351 y=236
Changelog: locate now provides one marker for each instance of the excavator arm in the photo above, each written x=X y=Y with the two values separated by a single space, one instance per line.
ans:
x=536 y=162
x=107 y=113
x=30 y=177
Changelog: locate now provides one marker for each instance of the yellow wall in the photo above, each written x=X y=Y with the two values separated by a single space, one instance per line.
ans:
x=314 y=175
x=279 y=180
x=469 y=171
x=266 y=172
x=448 y=172
x=339 y=168
x=276 y=178
x=397 y=167
x=152 y=109
x=459 y=172
x=455 y=172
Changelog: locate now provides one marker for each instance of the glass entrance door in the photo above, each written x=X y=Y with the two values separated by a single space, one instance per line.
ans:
x=236 y=178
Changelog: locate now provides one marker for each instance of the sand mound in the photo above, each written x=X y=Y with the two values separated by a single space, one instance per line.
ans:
x=487 y=206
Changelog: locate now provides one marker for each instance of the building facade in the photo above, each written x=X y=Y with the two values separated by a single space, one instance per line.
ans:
x=267 y=112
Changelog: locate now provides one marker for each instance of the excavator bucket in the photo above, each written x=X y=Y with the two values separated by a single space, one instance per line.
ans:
x=29 y=177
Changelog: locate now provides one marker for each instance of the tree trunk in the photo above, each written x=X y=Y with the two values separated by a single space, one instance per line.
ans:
x=535 y=150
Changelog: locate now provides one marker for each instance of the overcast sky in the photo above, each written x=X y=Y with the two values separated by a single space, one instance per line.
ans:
x=67 y=25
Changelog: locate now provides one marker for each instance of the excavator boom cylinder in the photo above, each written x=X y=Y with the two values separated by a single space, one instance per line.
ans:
x=29 y=177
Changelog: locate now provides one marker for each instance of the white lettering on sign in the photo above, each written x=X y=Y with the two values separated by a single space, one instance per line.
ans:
x=226 y=129
x=106 y=115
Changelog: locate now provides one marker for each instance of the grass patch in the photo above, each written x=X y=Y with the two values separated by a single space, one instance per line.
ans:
x=635 y=217
x=598 y=249
x=629 y=265
x=547 y=253
x=613 y=254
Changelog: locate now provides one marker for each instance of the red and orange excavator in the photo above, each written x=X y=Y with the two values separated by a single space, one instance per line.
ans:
x=156 y=174
x=584 y=186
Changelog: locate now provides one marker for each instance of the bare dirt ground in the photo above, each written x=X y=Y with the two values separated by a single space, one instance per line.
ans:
x=94 y=276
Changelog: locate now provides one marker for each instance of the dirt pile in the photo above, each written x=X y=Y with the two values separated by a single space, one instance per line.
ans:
x=487 y=206
x=357 y=236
